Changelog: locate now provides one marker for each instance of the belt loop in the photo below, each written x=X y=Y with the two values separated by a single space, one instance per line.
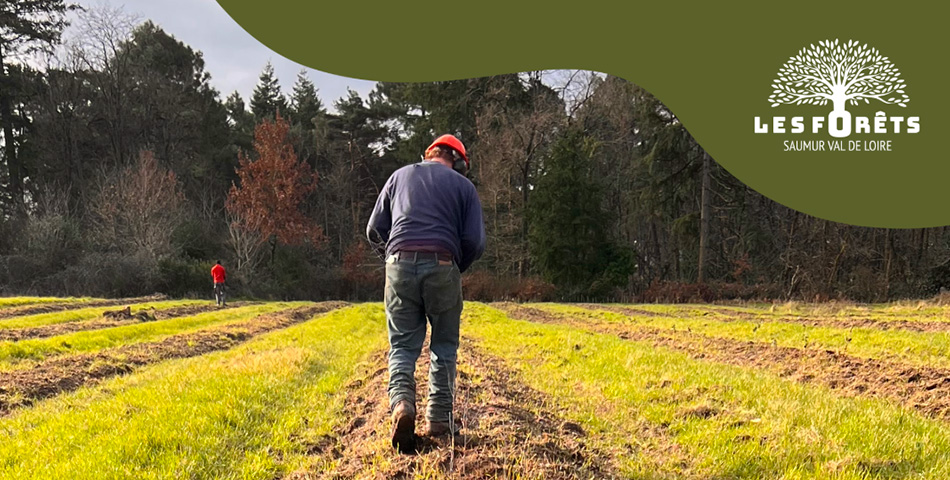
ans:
x=415 y=257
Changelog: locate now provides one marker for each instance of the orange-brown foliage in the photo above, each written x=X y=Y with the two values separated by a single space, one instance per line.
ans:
x=359 y=267
x=681 y=292
x=485 y=287
x=274 y=187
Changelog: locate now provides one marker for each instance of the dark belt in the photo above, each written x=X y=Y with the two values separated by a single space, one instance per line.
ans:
x=415 y=256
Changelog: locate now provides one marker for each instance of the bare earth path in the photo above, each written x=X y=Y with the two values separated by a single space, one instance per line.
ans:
x=508 y=431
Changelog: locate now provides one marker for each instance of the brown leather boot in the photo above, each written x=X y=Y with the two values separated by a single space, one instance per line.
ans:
x=404 y=427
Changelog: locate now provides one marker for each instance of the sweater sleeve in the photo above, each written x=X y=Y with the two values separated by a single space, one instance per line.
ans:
x=473 y=231
x=381 y=221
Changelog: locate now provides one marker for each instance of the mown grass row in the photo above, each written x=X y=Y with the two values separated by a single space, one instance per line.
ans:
x=14 y=353
x=732 y=422
x=917 y=348
x=6 y=302
x=53 y=318
x=249 y=412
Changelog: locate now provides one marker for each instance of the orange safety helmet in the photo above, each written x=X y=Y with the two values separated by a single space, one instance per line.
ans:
x=451 y=142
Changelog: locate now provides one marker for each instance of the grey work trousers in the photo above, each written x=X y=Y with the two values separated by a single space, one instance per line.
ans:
x=419 y=287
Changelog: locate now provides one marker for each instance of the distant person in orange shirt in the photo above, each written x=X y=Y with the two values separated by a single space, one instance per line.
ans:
x=218 y=275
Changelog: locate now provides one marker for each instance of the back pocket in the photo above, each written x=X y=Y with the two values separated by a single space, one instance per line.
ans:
x=442 y=289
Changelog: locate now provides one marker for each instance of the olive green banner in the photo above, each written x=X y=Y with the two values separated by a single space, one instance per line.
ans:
x=848 y=98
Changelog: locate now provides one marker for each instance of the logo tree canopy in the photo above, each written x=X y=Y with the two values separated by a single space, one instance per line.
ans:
x=840 y=73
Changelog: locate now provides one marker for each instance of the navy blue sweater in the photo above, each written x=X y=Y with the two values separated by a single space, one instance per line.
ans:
x=428 y=204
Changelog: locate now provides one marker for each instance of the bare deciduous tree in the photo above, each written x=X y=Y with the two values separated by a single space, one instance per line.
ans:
x=246 y=245
x=94 y=48
x=138 y=209
x=511 y=143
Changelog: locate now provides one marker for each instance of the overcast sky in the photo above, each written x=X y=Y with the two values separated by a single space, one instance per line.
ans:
x=232 y=56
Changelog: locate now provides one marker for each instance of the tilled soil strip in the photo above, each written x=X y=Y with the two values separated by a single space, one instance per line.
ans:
x=924 y=389
x=61 y=374
x=928 y=326
x=824 y=322
x=59 y=307
x=501 y=436
x=16 y=334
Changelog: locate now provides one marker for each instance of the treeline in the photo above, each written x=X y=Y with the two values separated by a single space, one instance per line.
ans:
x=124 y=172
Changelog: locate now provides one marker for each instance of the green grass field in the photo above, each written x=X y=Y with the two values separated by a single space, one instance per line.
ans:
x=544 y=391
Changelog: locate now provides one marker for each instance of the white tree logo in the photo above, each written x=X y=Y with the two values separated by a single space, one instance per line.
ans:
x=841 y=73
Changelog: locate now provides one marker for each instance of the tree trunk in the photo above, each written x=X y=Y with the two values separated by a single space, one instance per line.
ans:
x=9 y=150
x=525 y=225
x=888 y=255
x=657 y=265
x=704 y=217
x=273 y=250
x=839 y=120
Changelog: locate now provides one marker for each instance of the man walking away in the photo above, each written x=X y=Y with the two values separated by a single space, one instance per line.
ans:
x=218 y=275
x=428 y=225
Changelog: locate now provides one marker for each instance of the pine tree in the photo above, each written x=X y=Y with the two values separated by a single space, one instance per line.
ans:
x=238 y=115
x=305 y=104
x=242 y=124
x=568 y=231
x=267 y=99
